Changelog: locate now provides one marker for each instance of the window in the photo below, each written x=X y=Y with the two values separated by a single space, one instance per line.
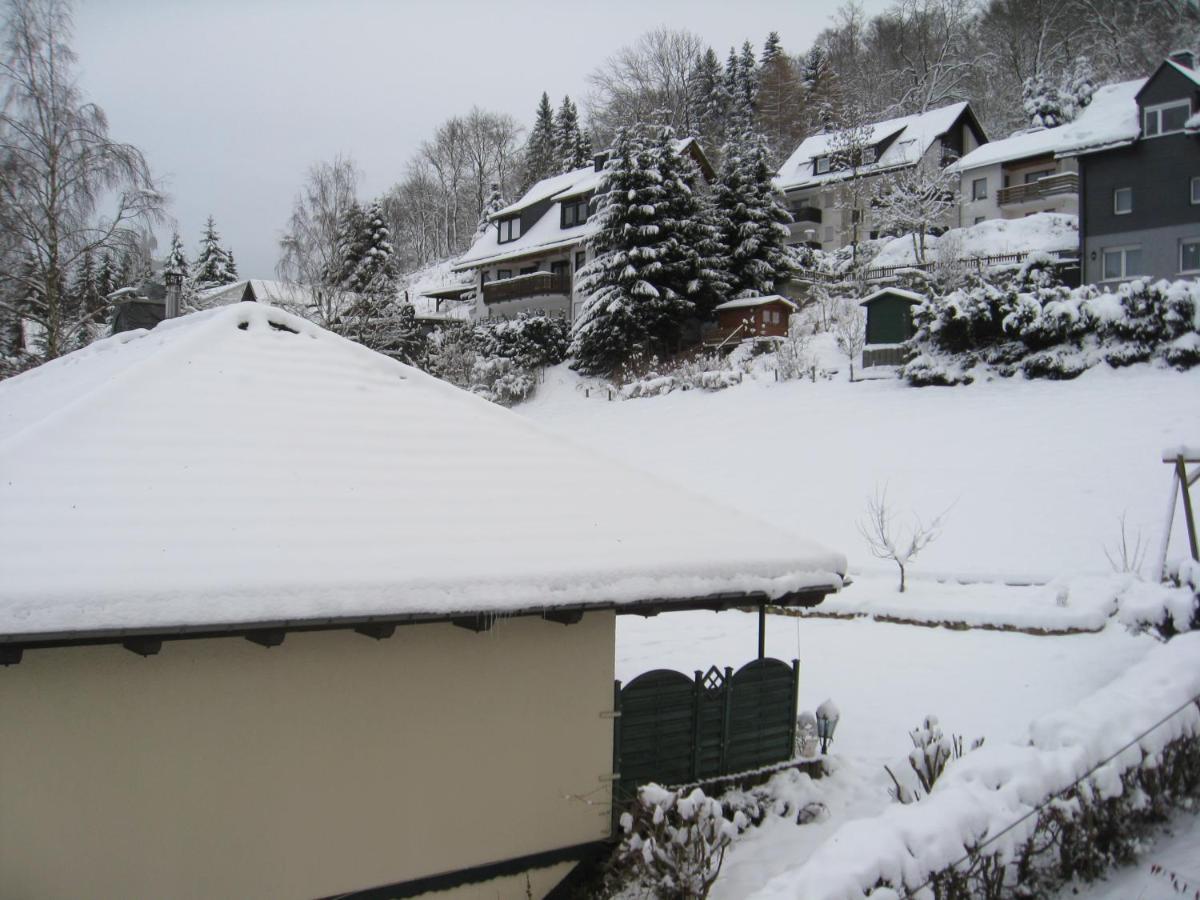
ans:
x=485 y=277
x=559 y=267
x=528 y=270
x=855 y=216
x=1122 y=262
x=1123 y=201
x=821 y=165
x=580 y=259
x=1166 y=118
x=979 y=189
x=503 y=273
x=979 y=219
x=510 y=229
x=1031 y=177
x=574 y=212
x=1189 y=255
x=868 y=156
x=1195 y=190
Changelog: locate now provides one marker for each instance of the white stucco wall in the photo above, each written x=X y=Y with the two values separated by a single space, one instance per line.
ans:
x=332 y=763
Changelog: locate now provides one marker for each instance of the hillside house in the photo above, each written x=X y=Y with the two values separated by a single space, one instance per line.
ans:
x=1140 y=188
x=329 y=625
x=527 y=259
x=1036 y=171
x=814 y=177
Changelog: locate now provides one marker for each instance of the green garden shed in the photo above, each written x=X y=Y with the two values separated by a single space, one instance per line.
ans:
x=889 y=325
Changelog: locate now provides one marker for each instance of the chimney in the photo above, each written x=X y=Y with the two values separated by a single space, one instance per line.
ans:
x=174 y=282
x=1184 y=58
x=599 y=161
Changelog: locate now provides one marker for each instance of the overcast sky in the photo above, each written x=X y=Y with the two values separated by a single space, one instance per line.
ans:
x=232 y=100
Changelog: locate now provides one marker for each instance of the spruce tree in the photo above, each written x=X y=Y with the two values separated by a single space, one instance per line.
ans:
x=231 y=266
x=495 y=203
x=211 y=268
x=646 y=267
x=712 y=100
x=85 y=296
x=750 y=212
x=747 y=78
x=541 y=160
x=176 y=259
x=572 y=149
x=106 y=278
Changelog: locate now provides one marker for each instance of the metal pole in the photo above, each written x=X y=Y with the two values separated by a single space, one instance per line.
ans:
x=762 y=631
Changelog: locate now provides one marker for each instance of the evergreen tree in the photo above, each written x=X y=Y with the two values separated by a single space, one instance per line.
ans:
x=541 y=159
x=495 y=203
x=747 y=78
x=85 y=290
x=211 y=268
x=106 y=278
x=372 y=269
x=350 y=246
x=571 y=147
x=772 y=49
x=176 y=259
x=1080 y=85
x=750 y=212
x=712 y=99
x=372 y=316
x=1044 y=103
x=231 y=266
x=780 y=100
x=648 y=265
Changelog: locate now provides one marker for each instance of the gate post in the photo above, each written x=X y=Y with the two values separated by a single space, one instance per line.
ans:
x=616 y=757
x=795 y=703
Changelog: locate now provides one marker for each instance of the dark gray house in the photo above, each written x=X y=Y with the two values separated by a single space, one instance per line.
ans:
x=1140 y=197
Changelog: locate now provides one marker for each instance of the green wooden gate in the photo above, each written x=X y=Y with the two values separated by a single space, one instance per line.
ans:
x=676 y=730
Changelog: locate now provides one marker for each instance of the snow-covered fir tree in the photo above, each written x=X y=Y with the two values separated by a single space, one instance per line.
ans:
x=750 y=212
x=106 y=277
x=638 y=284
x=231 y=266
x=574 y=149
x=1079 y=84
x=371 y=271
x=495 y=202
x=368 y=282
x=85 y=296
x=541 y=157
x=1044 y=103
x=176 y=259
x=746 y=78
x=711 y=100
x=211 y=268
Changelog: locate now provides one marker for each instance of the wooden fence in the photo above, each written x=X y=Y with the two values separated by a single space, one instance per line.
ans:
x=675 y=730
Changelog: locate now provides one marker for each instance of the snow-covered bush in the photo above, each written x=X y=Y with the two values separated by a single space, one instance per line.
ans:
x=932 y=750
x=532 y=340
x=674 y=843
x=704 y=372
x=1020 y=319
x=500 y=380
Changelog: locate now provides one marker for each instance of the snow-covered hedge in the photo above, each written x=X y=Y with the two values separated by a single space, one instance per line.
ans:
x=1069 y=802
x=704 y=372
x=1022 y=321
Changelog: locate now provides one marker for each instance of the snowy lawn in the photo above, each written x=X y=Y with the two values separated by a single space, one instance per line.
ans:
x=1036 y=472
x=1036 y=475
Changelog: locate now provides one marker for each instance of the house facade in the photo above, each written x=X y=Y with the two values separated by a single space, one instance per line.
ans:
x=1035 y=171
x=331 y=627
x=817 y=179
x=528 y=257
x=1140 y=206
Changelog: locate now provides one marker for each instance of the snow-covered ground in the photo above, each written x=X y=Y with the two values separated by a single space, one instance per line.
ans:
x=1035 y=475
x=1042 y=232
x=1177 y=851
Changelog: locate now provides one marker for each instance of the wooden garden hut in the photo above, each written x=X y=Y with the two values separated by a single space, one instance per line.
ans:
x=751 y=317
x=889 y=325
x=282 y=617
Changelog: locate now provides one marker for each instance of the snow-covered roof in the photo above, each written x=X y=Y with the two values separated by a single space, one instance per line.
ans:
x=546 y=234
x=745 y=302
x=911 y=296
x=913 y=137
x=1111 y=118
x=292 y=297
x=241 y=465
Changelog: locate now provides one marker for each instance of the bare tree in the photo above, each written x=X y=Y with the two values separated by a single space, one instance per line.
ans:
x=66 y=188
x=914 y=199
x=1129 y=552
x=310 y=242
x=491 y=142
x=924 y=45
x=886 y=541
x=850 y=152
x=850 y=331
x=655 y=75
x=448 y=159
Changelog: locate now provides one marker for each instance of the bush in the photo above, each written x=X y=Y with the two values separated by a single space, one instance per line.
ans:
x=531 y=339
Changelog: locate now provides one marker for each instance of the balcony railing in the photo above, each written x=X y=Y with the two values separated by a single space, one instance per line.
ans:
x=536 y=284
x=806 y=214
x=1051 y=185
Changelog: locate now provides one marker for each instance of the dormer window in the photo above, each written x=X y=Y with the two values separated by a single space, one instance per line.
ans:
x=1165 y=118
x=574 y=212
x=868 y=156
x=510 y=229
x=821 y=165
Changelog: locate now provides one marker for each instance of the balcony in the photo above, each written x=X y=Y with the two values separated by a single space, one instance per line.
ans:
x=1050 y=186
x=806 y=214
x=535 y=284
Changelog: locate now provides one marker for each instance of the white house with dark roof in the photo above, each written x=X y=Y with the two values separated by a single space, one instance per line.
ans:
x=528 y=256
x=1036 y=171
x=813 y=177
x=283 y=617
